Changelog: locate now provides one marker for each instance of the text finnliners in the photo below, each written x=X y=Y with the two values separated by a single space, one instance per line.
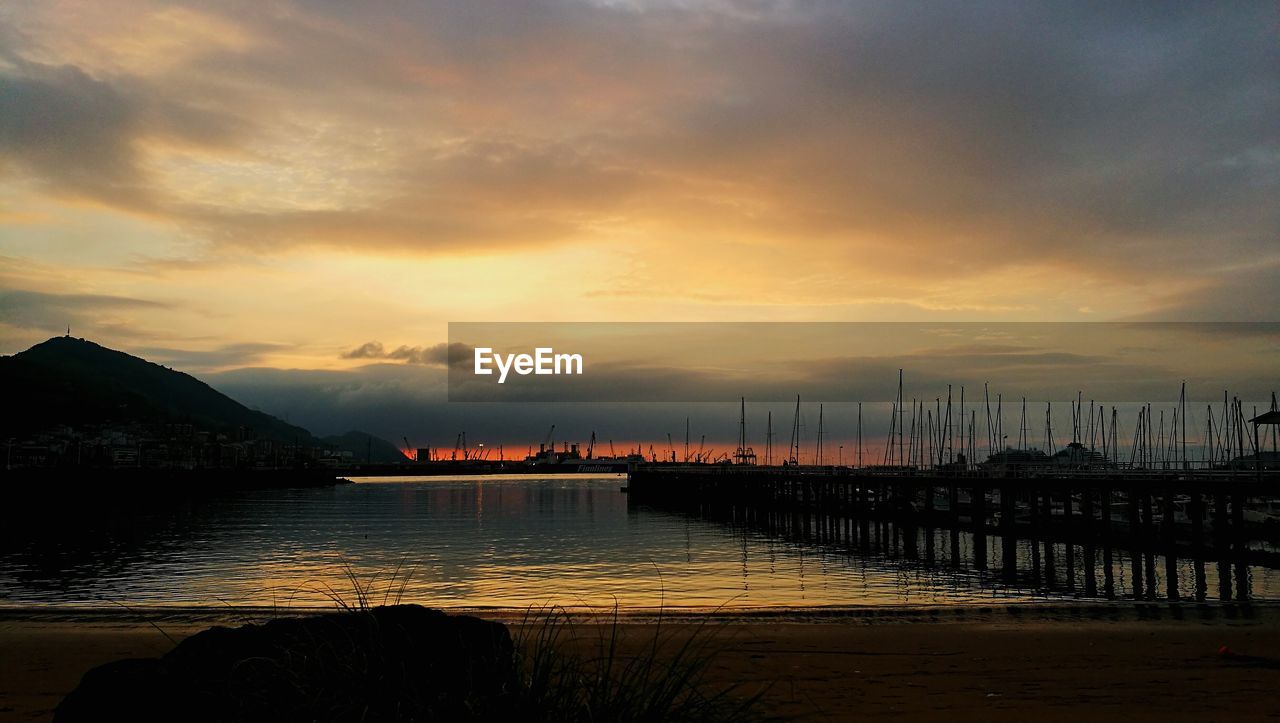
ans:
x=544 y=360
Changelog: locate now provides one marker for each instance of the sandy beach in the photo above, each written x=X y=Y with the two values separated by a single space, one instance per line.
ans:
x=976 y=664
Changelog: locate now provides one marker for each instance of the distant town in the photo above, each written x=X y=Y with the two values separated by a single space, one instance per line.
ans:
x=163 y=446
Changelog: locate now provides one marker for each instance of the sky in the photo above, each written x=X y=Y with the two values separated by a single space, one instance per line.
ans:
x=237 y=188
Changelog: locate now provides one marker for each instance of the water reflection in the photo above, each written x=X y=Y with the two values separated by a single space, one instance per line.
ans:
x=1093 y=568
x=511 y=543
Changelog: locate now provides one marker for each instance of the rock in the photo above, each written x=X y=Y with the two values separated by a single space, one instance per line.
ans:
x=402 y=663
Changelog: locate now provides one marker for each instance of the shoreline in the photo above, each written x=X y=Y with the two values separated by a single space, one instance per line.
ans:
x=1055 y=610
x=979 y=663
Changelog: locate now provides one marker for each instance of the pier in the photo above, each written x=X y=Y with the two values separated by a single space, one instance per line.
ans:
x=1066 y=529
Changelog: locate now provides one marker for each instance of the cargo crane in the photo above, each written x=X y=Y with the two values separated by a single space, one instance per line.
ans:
x=547 y=440
x=591 y=446
x=459 y=445
x=408 y=449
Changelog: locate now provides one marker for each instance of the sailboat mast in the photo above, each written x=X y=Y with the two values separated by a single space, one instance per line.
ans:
x=1182 y=405
x=686 y=440
x=794 y=451
x=818 y=452
x=768 y=440
x=859 y=435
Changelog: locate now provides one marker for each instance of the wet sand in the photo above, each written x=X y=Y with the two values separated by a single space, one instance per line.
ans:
x=1005 y=664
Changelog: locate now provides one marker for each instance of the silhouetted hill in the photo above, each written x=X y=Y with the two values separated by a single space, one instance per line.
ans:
x=361 y=444
x=72 y=381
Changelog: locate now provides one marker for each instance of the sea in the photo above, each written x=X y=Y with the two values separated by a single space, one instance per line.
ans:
x=517 y=543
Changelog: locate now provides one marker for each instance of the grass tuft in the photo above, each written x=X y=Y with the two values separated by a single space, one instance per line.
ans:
x=364 y=594
x=659 y=679
x=568 y=674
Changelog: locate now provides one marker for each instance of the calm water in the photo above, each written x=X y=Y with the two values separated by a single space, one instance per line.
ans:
x=511 y=543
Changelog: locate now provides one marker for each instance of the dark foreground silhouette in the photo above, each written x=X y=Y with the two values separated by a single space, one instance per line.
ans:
x=1014 y=663
x=403 y=662
x=409 y=663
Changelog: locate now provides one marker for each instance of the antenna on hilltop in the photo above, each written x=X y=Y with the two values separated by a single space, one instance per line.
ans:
x=68 y=330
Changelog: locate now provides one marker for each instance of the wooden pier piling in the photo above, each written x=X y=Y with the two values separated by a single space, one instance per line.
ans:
x=899 y=511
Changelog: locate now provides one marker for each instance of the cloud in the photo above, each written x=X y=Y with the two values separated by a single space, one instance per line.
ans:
x=367 y=350
x=1248 y=292
x=441 y=355
x=1006 y=158
x=52 y=312
x=394 y=400
x=825 y=118
x=79 y=135
x=228 y=356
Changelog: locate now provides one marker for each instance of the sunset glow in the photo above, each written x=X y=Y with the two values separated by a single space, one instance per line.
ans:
x=227 y=186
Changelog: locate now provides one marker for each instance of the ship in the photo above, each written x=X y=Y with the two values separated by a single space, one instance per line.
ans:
x=570 y=460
